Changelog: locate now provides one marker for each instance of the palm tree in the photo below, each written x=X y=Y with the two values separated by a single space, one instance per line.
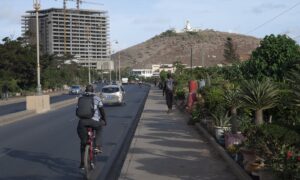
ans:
x=259 y=96
x=232 y=100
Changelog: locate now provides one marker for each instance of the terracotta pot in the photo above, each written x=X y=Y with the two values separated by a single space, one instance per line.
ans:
x=267 y=174
x=249 y=157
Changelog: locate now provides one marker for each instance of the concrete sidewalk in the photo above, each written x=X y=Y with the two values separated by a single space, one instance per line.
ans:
x=164 y=147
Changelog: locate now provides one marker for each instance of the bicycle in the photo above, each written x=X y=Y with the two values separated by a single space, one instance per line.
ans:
x=89 y=153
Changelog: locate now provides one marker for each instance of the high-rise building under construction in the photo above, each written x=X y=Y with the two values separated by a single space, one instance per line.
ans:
x=81 y=33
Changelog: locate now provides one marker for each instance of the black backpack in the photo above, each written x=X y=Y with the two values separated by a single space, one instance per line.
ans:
x=85 y=107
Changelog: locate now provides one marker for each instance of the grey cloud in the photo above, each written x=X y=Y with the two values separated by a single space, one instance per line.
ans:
x=267 y=6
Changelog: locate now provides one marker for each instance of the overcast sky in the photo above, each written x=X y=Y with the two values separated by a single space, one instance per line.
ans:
x=135 y=21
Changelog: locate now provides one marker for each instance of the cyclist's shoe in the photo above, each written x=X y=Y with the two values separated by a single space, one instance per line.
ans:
x=92 y=165
x=81 y=166
x=97 y=150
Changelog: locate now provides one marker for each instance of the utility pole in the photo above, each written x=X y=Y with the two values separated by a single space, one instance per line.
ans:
x=202 y=57
x=191 y=61
x=37 y=8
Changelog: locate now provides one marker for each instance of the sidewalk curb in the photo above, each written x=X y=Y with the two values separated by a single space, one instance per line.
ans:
x=18 y=116
x=236 y=169
x=10 y=118
x=113 y=167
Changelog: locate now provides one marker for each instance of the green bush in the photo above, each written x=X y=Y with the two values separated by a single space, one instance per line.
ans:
x=214 y=97
x=180 y=94
x=271 y=142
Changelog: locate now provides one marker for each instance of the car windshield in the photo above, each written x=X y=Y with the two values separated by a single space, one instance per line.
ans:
x=75 y=87
x=110 y=89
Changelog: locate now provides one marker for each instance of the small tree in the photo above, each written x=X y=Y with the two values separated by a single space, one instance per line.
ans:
x=232 y=100
x=259 y=96
x=230 y=53
x=273 y=58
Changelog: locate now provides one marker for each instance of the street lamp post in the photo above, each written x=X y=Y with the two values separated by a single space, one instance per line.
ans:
x=119 y=55
x=119 y=67
x=37 y=7
x=88 y=52
x=116 y=75
x=89 y=62
x=110 y=72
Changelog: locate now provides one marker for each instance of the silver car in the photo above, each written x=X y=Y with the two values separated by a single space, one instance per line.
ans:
x=112 y=94
x=75 y=89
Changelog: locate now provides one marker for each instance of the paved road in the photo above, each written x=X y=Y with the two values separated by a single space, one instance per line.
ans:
x=21 y=106
x=47 y=147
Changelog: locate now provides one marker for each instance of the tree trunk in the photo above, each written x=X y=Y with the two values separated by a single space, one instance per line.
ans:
x=233 y=112
x=259 y=117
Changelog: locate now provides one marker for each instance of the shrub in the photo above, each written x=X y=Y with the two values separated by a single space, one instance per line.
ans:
x=272 y=143
x=214 y=97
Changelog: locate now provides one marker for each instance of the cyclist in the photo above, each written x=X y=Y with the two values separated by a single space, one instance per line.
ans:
x=95 y=122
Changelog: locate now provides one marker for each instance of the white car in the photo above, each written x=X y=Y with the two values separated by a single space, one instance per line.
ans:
x=112 y=94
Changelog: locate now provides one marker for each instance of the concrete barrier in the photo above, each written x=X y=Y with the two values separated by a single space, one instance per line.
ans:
x=39 y=103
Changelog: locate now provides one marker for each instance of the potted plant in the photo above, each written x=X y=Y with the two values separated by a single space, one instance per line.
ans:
x=221 y=124
x=195 y=115
x=233 y=151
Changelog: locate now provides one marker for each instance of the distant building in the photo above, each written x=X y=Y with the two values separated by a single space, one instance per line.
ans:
x=82 y=33
x=167 y=67
x=187 y=28
x=155 y=71
x=142 y=72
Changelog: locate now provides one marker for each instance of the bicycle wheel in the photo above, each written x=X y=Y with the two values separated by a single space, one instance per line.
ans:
x=87 y=162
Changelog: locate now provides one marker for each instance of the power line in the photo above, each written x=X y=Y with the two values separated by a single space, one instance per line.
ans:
x=272 y=19
x=296 y=37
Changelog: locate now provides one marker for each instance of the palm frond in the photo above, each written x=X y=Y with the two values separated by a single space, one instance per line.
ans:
x=259 y=94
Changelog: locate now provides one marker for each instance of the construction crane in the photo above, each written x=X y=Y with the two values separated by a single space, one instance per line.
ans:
x=78 y=2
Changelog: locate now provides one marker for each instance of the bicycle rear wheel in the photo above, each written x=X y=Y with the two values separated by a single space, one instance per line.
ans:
x=87 y=162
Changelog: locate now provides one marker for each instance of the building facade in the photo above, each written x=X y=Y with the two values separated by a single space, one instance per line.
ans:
x=81 y=33
x=142 y=72
x=155 y=71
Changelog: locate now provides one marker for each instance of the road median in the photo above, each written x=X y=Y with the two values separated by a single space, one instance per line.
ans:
x=22 y=115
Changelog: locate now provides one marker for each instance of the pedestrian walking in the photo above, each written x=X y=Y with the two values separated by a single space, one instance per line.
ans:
x=5 y=91
x=168 y=91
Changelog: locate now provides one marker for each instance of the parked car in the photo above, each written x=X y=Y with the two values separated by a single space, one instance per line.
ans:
x=75 y=89
x=112 y=94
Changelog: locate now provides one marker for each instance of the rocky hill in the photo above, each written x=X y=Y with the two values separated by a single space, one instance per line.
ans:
x=207 y=49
